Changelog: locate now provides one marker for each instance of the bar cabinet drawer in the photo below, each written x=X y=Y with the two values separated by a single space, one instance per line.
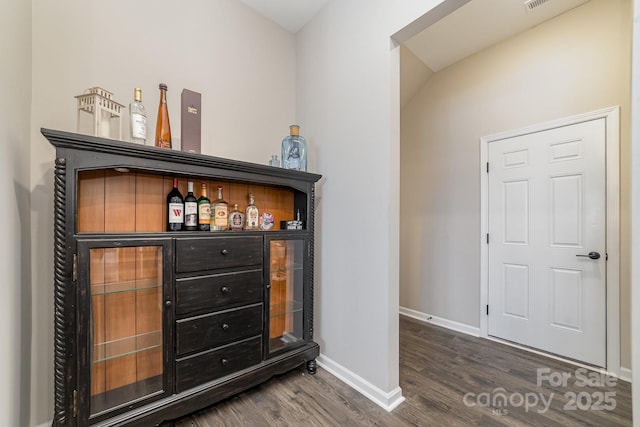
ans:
x=216 y=329
x=216 y=291
x=216 y=363
x=209 y=253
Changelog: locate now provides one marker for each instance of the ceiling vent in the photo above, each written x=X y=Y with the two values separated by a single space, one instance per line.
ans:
x=532 y=4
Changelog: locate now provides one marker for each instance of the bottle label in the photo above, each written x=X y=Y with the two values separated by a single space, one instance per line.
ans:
x=176 y=213
x=220 y=216
x=204 y=213
x=138 y=126
x=252 y=217
x=266 y=221
x=190 y=214
x=235 y=221
x=291 y=154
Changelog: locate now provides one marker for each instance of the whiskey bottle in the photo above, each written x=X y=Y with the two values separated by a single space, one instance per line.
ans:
x=219 y=213
x=190 y=209
x=236 y=218
x=294 y=150
x=163 y=129
x=204 y=210
x=138 y=118
x=175 y=208
x=252 y=215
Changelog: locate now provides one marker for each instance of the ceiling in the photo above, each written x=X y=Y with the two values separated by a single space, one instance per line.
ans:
x=478 y=25
x=289 y=14
x=470 y=29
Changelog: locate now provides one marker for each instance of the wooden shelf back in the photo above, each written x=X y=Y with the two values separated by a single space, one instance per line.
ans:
x=117 y=202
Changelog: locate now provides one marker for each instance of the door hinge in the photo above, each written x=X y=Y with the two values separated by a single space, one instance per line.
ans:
x=606 y=257
x=75 y=403
x=487 y=167
x=487 y=238
x=75 y=267
x=487 y=309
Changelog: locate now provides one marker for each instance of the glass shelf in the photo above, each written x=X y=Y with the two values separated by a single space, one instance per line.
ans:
x=292 y=267
x=285 y=308
x=125 y=286
x=126 y=346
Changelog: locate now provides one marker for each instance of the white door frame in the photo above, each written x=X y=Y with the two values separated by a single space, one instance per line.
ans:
x=612 y=126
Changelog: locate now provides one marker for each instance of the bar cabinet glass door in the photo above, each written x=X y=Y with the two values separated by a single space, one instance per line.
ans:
x=126 y=287
x=286 y=293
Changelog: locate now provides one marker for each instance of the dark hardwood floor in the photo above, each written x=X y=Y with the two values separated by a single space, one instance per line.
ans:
x=448 y=379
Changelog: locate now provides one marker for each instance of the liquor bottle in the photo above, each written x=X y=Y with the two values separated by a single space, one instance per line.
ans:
x=175 y=207
x=252 y=215
x=219 y=213
x=204 y=210
x=190 y=209
x=294 y=150
x=163 y=130
x=236 y=218
x=138 y=118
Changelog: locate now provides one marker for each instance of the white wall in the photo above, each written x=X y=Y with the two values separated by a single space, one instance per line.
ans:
x=15 y=304
x=576 y=63
x=348 y=112
x=244 y=66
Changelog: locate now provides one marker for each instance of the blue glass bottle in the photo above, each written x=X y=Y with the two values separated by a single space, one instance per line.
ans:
x=294 y=150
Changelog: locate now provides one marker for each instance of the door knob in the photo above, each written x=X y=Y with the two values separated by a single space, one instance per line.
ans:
x=592 y=255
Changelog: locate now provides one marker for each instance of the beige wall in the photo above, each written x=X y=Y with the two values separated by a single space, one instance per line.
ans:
x=576 y=63
x=244 y=66
x=15 y=304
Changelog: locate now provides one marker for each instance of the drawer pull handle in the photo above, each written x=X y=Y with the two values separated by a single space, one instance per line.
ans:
x=224 y=362
x=224 y=252
x=225 y=327
x=224 y=289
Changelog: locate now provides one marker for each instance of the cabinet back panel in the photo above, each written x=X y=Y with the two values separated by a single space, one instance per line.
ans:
x=119 y=200
x=127 y=316
x=149 y=203
x=149 y=363
x=91 y=202
x=116 y=202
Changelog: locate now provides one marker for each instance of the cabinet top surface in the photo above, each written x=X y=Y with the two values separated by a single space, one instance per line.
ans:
x=75 y=141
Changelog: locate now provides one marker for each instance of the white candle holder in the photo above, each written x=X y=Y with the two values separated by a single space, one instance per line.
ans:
x=97 y=113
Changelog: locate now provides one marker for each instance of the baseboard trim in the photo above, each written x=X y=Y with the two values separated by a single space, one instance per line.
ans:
x=625 y=374
x=388 y=401
x=439 y=321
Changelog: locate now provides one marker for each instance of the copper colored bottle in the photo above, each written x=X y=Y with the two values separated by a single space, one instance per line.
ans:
x=163 y=130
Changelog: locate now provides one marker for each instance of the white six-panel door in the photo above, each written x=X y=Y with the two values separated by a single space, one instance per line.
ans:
x=546 y=207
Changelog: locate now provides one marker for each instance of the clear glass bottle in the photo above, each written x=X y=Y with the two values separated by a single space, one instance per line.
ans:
x=252 y=215
x=190 y=209
x=275 y=162
x=138 y=118
x=204 y=210
x=236 y=218
x=219 y=213
x=163 y=129
x=294 y=150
